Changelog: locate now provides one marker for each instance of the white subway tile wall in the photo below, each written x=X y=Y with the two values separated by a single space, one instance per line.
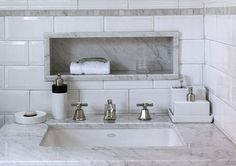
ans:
x=128 y=23
x=28 y=28
x=159 y=97
x=79 y=24
x=153 y=4
x=22 y=65
x=13 y=4
x=52 y=4
x=192 y=73
x=36 y=53
x=13 y=53
x=103 y=4
x=191 y=3
x=2 y=28
x=191 y=27
x=25 y=77
x=220 y=69
x=192 y=51
x=128 y=84
x=13 y=101
x=96 y=100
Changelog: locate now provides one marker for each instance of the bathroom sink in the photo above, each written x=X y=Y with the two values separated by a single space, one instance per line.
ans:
x=113 y=137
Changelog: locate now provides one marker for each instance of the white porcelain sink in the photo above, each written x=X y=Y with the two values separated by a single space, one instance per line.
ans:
x=125 y=137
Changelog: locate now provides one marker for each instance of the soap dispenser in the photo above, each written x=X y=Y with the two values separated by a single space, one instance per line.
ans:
x=190 y=95
x=59 y=98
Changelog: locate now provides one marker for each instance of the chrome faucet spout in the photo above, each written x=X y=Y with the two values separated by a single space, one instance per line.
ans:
x=110 y=111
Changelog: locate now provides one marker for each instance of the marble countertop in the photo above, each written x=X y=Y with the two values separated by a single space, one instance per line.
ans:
x=205 y=146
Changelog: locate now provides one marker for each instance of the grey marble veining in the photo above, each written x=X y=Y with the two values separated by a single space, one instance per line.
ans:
x=205 y=146
x=123 y=49
x=103 y=12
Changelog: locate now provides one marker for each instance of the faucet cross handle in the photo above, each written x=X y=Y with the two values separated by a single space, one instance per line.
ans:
x=79 y=104
x=79 y=112
x=144 y=114
x=145 y=105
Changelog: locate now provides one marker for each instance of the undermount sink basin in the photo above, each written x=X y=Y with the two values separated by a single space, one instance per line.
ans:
x=114 y=137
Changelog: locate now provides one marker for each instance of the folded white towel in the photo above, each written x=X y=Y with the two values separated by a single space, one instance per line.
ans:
x=90 y=67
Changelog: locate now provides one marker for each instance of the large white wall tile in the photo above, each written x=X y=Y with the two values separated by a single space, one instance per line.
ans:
x=153 y=4
x=233 y=29
x=166 y=84
x=79 y=24
x=191 y=3
x=28 y=28
x=192 y=51
x=190 y=27
x=13 y=53
x=25 y=77
x=85 y=85
x=218 y=83
x=159 y=97
x=13 y=4
x=14 y=101
x=128 y=23
x=103 y=4
x=224 y=29
x=52 y=4
x=36 y=52
x=221 y=56
x=210 y=26
x=1 y=77
x=127 y=84
x=42 y=100
x=97 y=99
x=192 y=74
x=2 y=28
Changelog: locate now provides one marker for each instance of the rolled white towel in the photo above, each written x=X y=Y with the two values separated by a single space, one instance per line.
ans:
x=90 y=67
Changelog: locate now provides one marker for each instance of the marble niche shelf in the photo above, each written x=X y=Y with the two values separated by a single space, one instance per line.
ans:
x=123 y=49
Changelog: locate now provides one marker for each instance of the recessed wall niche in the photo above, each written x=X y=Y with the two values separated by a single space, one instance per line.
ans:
x=122 y=49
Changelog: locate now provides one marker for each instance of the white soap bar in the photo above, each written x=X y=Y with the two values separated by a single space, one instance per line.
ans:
x=39 y=118
x=200 y=107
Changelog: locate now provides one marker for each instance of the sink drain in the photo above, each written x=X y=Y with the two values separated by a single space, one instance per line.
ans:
x=111 y=135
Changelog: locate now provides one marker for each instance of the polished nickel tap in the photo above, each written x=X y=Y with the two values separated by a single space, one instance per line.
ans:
x=110 y=111
x=144 y=114
x=79 y=112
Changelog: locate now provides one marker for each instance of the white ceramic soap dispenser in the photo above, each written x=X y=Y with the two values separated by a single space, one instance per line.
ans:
x=59 y=98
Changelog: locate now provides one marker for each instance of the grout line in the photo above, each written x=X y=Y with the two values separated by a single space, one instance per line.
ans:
x=4 y=28
x=29 y=100
x=53 y=25
x=219 y=70
x=28 y=53
x=128 y=102
x=77 y=4
x=103 y=20
x=233 y=45
x=4 y=79
x=128 y=4
x=27 y=4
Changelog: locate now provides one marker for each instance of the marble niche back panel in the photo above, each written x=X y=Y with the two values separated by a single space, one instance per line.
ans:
x=123 y=52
